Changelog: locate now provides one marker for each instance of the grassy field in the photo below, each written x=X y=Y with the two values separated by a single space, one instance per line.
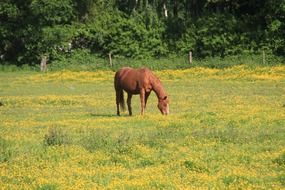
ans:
x=226 y=130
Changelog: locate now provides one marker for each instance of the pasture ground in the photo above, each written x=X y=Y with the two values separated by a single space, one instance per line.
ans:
x=226 y=130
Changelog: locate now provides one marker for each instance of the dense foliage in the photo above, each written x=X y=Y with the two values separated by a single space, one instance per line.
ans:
x=139 y=28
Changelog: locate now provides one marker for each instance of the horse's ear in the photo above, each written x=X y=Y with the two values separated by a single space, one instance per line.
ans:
x=165 y=97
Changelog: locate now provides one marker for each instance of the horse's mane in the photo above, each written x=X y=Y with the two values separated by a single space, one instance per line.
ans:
x=157 y=86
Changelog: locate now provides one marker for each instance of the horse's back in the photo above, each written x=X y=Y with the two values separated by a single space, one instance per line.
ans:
x=132 y=79
x=123 y=70
x=123 y=73
x=132 y=73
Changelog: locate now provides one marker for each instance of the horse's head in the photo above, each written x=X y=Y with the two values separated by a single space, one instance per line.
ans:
x=163 y=105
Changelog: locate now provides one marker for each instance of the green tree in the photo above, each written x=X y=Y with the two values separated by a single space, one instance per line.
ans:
x=139 y=28
x=275 y=20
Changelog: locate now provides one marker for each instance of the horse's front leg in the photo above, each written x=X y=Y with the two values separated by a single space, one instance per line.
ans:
x=129 y=101
x=142 y=97
x=145 y=98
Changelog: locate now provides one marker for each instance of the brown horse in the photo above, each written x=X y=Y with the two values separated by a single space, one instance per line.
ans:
x=139 y=81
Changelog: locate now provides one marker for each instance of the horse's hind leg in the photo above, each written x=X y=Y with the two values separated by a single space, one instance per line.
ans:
x=129 y=102
x=118 y=102
x=118 y=106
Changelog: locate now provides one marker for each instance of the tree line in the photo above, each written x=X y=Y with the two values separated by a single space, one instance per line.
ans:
x=30 y=29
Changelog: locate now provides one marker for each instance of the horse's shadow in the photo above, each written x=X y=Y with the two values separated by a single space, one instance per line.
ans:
x=101 y=115
x=106 y=115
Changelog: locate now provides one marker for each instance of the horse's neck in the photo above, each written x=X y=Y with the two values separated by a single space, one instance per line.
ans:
x=158 y=88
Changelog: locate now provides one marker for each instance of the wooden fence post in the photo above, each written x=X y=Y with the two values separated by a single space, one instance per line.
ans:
x=44 y=63
x=110 y=59
x=263 y=57
x=190 y=57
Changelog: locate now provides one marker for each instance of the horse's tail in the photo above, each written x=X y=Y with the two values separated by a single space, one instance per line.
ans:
x=119 y=92
x=120 y=98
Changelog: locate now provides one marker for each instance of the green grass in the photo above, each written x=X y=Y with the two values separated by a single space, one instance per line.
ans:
x=61 y=132
x=81 y=60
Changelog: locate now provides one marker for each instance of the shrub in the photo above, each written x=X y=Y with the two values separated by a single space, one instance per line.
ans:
x=190 y=165
x=55 y=136
x=5 y=150
x=104 y=140
x=280 y=160
x=47 y=187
